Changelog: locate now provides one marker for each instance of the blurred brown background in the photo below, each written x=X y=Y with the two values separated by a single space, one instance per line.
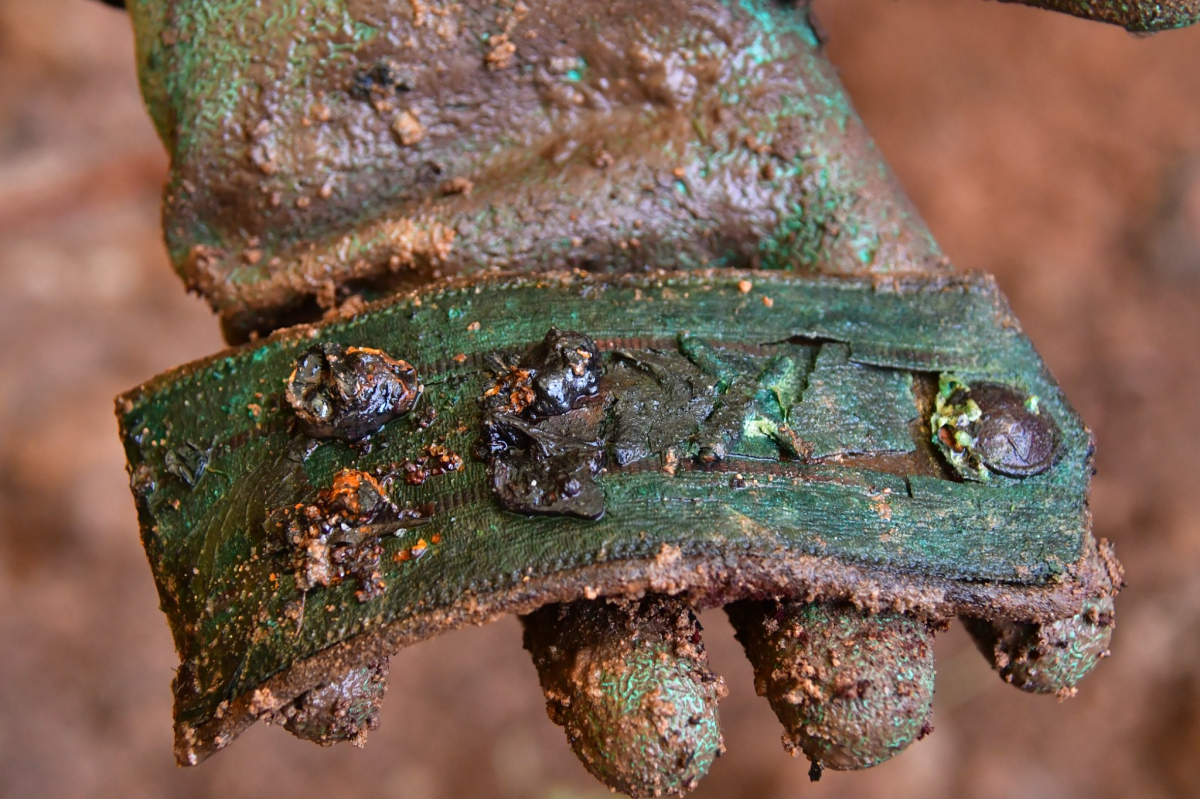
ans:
x=1062 y=156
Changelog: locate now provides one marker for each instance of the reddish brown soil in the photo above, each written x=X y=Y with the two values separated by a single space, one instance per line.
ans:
x=1061 y=155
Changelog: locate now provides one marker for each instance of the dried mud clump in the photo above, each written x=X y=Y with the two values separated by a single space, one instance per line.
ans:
x=350 y=392
x=344 y=710
x=628 y=680
x=540 y=435
x=548 y=380
x=337 y=538
x=1047 y=658
x=851 y=688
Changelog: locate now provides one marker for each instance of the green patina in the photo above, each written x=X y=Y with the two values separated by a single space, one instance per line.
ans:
x=851 y=689
x=1048 y=658
x=225 y=592
x=643 y=679
x=868 y=653
x=1138 y=16
x=851 y=408
x=196 y=59
x=630 y=684
x=954 y=413
x=233 y=86
x=816 y=417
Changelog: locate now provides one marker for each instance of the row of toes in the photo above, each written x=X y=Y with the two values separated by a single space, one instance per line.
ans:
x=629 y=682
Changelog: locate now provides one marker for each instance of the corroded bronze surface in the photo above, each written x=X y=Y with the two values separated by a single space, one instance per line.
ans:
x=618 y=298
x=828 y=483
x=1139 y=16
x=541 y=439
x=344 y=710
x=851 y=688
x=365 y=146
x=350 y=148
x=629 y=682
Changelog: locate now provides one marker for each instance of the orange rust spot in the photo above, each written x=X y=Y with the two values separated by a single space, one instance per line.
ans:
x=514 y=383
x=346 y=488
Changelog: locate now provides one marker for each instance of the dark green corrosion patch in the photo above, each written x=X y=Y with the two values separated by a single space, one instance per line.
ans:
x=755 y=434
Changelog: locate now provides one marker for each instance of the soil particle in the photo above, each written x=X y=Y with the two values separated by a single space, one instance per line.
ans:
x=628 y=680
x=408 y=128
x=414 y=552
x=459 y=185
x=502 y=53
x=434 y=461
x=420 y=12
x=350 y=392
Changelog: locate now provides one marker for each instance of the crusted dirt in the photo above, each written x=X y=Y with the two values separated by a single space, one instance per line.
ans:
x=345 y=710
x=623 y=128
x=851 y=688
x=629 y=683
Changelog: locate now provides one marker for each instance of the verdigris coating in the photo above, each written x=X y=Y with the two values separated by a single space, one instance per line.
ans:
x=1047 y=658
x=1139 y=16
x=828 y=485
x=851 y=688
x=628 y=681
x=514 y=135
x=602 y=314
